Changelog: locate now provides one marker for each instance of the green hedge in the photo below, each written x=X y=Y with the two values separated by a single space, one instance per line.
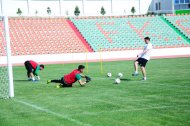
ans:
x=182 y=11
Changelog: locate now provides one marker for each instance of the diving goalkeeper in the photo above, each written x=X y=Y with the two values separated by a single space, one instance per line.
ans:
x=69 y=79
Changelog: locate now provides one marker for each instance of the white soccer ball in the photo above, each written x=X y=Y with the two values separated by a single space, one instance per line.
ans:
x=117 y=81
x=109 y=74
x=120 y=75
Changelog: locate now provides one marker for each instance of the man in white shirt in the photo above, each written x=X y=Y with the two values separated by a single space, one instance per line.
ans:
x=143 y=58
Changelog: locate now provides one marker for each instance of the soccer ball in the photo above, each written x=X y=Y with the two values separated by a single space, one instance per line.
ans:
x=109 y=74
x=117 y=81
x=120 y=75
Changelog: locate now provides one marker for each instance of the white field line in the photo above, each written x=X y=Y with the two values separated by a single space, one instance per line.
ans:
x=53 y=113
x=133 y=110
x=146 y=82
x=149 y=108
x=110 y=102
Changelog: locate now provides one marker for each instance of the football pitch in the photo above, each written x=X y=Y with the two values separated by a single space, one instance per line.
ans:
x=162 y=100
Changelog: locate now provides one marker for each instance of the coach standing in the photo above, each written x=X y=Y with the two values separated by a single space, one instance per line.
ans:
x=33 y=69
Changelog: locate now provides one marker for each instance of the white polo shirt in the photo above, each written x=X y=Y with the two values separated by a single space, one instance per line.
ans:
x=148 y=53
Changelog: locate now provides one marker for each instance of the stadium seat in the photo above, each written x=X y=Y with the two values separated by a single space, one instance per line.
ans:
x=181 y=22
x=35 y=36
x=121 y=33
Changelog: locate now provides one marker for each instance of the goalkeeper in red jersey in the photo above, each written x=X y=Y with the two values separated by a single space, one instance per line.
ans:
x=69 y=79
x=33 y=69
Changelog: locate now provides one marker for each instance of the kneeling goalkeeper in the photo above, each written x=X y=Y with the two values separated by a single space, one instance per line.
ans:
x=69 y=79
x=33 y=69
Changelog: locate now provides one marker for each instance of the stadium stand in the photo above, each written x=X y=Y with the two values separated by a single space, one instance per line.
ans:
x=36 y=36
x=124 y=33
x=181 y=22
x=33 y=36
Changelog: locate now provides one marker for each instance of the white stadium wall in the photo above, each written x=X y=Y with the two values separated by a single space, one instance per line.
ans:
x=12 y=7
x=98 y=56
x=0 y=9
x=124 y=6
x=93 y=7
x=90 y=8
x=145 y=6
x=69 y=6
x=41 y=7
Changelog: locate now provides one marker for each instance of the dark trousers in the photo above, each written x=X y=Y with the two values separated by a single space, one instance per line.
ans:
x=62 y=82
x=28 y=67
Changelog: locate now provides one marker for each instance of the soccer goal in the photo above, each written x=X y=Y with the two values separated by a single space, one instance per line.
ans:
x=6 y=74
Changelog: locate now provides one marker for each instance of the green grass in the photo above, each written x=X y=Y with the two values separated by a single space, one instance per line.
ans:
x=162 y=100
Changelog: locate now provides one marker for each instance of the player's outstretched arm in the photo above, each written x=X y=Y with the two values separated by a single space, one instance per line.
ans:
x=38 y=77
x=81 y=82
x=36 y=72
x=82 y=75
x=88 y=79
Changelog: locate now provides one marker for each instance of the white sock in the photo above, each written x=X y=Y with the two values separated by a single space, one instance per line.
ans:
x=136 y=72
x=144 y=78
x=33 y=79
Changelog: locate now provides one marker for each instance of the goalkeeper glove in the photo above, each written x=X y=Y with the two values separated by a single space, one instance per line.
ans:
x=38 y=77
x=88 y=79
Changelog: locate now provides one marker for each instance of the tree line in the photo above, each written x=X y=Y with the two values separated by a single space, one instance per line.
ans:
x=76 y=11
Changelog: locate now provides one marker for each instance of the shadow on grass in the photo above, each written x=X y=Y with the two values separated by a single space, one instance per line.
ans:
x=122 y=79
x=125 y=79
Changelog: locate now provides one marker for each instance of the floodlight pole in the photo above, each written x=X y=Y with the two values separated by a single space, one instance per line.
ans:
x=7 y=38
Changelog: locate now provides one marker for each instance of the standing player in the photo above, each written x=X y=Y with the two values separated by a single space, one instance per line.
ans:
x=33 y=69
x=143 y=58
x=69 y=79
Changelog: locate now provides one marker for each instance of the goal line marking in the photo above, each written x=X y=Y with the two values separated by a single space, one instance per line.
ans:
x=53 y=113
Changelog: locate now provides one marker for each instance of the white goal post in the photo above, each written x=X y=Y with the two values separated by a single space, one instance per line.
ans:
x=6 y=72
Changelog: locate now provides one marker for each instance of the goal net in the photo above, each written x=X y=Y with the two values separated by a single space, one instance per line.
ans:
x=6 y=79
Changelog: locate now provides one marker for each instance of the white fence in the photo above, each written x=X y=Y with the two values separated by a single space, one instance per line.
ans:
x=97 y=56
x=66 y=7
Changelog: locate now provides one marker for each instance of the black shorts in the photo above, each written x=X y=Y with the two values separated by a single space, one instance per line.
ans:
x=142 y=62
x=63 y=84
x=28 y=66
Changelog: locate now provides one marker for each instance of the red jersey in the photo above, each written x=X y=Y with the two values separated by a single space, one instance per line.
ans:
x=33 y=64
x=71 y=77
